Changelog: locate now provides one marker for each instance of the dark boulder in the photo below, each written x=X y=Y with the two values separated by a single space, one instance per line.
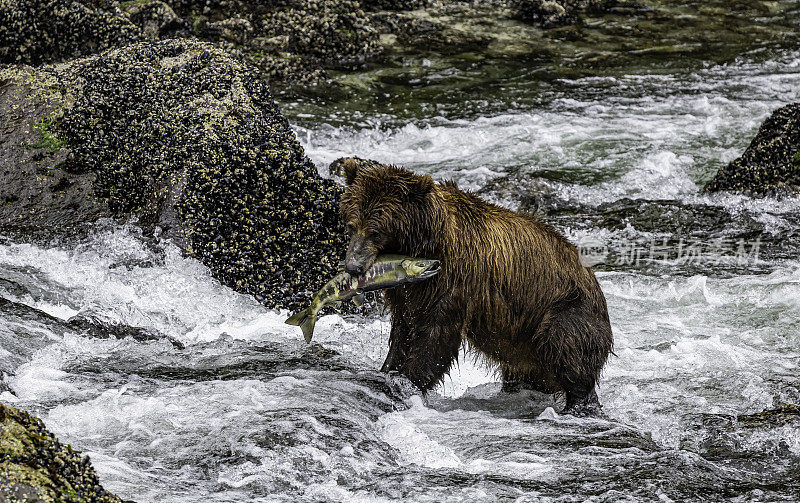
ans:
x=38 y=188
x=394 y=4
x=186 y=139
x=552 y=13
x=329 y=31
x=36 y=467
x=290 y=41
x=771 y=164
x=156 y=19
x=36 y=31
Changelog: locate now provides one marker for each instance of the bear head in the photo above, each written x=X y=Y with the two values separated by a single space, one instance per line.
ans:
x=385 y=209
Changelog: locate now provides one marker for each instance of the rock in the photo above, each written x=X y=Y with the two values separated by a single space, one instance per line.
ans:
x=35 y=466
x=778 y=416
x=553 y=13
x=317 y=33
x=36 y=31
x=290 y=41
x=771 y=164
x=394 y=4
x=156 y=19
x=184 y=138
x=330 y=31
x=38 y=188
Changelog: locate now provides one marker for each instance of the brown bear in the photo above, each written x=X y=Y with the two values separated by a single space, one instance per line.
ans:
x=511 y=286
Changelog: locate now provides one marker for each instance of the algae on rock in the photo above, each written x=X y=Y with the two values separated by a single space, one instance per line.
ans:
x=35 y=466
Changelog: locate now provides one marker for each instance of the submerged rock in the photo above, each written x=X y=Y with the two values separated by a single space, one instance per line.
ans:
x=771 y=164
x=772 y=417
x=186 y=139
x=36 y=467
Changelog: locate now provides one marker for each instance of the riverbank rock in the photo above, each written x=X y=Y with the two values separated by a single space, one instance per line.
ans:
x=36 y=467
x=290 y=41
x=552 y=13
x=771 y=164
x=184 y=138
x=37 y=31
x=371 y=5
x=329 y=31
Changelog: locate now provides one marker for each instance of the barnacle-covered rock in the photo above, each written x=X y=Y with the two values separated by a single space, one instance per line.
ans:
x=187 y=139
x=330 y=31
x=36 y=467
x=290 y=41
x=551 y=13
x=156 y=19
x=394 y=4
x=39 y=188
x=771 y=164
x=36 y=31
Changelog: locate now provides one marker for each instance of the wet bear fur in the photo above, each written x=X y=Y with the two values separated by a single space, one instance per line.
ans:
x=510 y=285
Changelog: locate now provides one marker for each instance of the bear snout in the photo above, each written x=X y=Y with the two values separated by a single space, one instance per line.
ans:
x=360 y=255
x=353 y=268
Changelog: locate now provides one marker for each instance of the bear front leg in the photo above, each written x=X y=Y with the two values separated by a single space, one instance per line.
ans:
x=578 y=383
x=398 y=346
x=576 y=346
x=583 y=404
x=432 y=351
x=511 y=384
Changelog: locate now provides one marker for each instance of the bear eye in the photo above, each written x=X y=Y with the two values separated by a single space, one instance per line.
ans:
x=350 y=229
x=376 y=237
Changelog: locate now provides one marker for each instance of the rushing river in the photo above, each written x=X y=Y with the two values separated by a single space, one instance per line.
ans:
x=183 y=390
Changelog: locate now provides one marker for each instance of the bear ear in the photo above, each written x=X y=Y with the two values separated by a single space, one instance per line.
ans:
x=420 y=187
x=350 y=168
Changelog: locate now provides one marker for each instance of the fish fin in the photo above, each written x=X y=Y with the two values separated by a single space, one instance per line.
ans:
x=306 y=320
x=308 y=327
x=359 y=299
x=298 y=317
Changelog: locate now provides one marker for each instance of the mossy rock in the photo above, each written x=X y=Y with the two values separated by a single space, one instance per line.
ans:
x=771 y=164
x=38 y=190
x=185 y=138
x=35 y=466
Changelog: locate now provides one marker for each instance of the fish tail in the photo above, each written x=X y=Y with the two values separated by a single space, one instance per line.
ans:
x=306 y=320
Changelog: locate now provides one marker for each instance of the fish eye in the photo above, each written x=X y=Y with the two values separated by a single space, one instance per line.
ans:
x=421 y=264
